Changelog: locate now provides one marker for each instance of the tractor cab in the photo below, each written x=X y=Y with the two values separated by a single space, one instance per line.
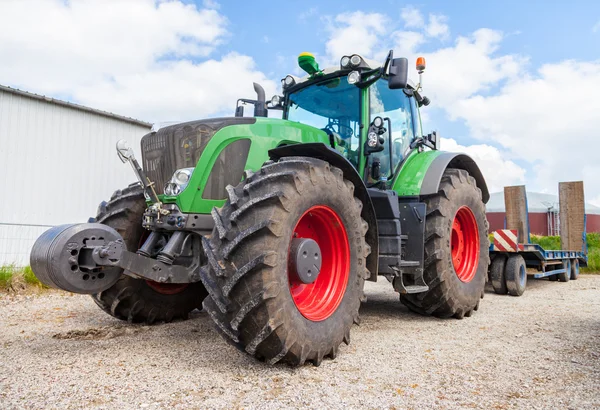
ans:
x=369 y=110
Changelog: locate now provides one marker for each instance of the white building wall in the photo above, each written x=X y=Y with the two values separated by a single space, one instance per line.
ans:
x=57 y=163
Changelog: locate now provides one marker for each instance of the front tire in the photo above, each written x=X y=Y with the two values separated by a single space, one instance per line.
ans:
x=456 y=249
x=138 y=300
x=255 y=300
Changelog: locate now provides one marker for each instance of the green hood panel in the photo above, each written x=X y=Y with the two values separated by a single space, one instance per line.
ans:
x=265 y=134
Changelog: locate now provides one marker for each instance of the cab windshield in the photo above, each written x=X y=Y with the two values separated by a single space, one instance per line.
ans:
x=332 y=105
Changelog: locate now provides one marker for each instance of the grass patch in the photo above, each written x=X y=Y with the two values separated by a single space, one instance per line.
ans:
x=593 y=242
x=13 y=278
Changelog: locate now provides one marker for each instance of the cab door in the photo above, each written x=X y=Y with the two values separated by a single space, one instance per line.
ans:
x=396 y=108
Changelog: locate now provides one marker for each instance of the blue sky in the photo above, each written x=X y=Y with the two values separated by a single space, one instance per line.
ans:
x=513 y=83
x=544 y=30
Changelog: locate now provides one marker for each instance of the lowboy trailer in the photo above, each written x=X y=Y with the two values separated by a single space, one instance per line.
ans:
x=510 y=257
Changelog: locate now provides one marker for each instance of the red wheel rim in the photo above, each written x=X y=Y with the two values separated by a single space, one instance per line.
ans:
x=167 y=288
x=162 y=288
x=464 y=244
x=319 y=300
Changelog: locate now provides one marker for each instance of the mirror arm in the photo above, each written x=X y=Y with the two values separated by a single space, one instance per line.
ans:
x=144 y=180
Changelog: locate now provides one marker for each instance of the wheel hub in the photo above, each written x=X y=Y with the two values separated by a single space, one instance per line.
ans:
x=321 y=232
x=305 y=260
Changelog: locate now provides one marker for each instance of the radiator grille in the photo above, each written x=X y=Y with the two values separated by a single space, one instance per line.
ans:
x=179 y=146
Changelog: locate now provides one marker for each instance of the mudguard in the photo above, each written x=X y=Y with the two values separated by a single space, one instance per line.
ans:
x=433 y=176
x=322 y=151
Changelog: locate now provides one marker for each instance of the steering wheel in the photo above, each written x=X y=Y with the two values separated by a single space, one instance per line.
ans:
x=344 y=131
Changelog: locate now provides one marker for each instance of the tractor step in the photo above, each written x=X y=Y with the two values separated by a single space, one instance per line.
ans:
x=416 y=289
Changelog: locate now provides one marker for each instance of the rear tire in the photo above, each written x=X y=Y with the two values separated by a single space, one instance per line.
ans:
x=574 y=269
x=565 y=276
x=449 y=295
x=516 y=275
x=137 y=300
x=497 y=275
x=253 y=300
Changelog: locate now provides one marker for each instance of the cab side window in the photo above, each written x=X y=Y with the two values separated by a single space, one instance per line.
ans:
x=395 y=105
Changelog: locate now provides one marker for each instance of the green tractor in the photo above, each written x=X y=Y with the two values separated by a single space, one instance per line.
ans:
x=272 y=226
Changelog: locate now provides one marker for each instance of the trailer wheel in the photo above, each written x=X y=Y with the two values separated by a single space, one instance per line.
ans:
x=574 y=269
x=138 y=300
x=566 y=275
x=497 y=275
x=456 y=249
x=287 y=262
x=516 y=275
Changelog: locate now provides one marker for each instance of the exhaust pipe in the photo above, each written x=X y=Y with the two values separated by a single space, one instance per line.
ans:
x=260 y=109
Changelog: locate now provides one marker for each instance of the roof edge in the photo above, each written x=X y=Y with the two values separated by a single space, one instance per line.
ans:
x=44 y=98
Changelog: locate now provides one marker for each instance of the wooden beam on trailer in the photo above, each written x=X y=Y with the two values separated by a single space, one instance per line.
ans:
x=572 y=215
x=515 y=202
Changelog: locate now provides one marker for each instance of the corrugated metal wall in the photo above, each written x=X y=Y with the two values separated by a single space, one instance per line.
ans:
x=56 y=164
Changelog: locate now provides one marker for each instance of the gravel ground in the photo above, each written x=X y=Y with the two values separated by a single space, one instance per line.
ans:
x=538 y=351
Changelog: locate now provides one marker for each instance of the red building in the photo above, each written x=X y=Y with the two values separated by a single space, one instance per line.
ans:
x=543 y=214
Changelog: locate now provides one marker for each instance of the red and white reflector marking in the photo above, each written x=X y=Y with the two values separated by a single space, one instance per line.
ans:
x=506 y=240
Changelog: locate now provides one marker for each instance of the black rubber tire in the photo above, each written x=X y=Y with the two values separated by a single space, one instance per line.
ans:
x=553 y=278
x=133 y=299
x=247 y=277
x=515 y=274
x=574 y=269
x=565 y=276
x=497 y=275
x=448 y=296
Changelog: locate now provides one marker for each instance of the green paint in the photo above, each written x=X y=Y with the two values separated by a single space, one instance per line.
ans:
x=364 y=129
x=265 y=134
x=307 y=62
x=269 y=133
x=410 y=178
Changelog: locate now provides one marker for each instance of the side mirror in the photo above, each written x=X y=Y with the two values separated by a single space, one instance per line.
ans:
x=398 y=75
x=124 y=150
x=433 y=140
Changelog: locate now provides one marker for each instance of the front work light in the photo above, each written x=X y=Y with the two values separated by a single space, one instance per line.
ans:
x=353 y=77
x=355 y=60
x=288 y=81
x=345 y=62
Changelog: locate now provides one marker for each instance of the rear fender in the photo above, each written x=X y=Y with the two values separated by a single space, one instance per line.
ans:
x=433 y=176
x=323 y=152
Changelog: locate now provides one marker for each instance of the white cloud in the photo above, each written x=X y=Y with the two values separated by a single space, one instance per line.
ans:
x=412 y=17
x=140 y=58
x=308 y=13
x=356 y=32
x=437 y=26
x=211 y=4
x=406 y=42
x=549 y=119
x=468 y=67
x=496 y=168
x=545 y=121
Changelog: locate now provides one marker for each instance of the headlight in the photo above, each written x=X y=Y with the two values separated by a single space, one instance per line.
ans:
x=345 y=61
x=372 y=140
x=355 y=60
x=179 y=181
x=275 y=101
x=353 y=77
